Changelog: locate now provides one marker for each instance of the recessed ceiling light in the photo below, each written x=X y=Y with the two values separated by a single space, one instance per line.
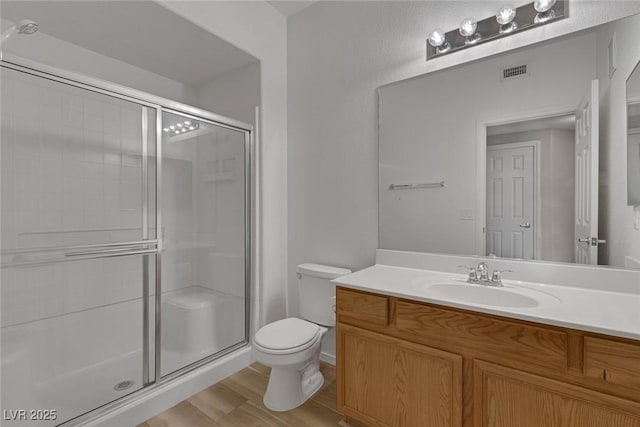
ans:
x=182 y=127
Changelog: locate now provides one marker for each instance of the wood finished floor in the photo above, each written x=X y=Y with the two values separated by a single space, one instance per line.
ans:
x=237 y=402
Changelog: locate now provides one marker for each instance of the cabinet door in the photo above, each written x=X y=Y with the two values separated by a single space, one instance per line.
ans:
x=384 y=381
x=507 y=397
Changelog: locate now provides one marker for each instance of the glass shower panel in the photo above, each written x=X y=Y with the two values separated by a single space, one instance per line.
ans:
x=71 y=335
x=78 y=190
x=203 y=223
x=72 y=164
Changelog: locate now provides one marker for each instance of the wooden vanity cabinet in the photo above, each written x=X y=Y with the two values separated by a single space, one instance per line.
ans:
x=510 y=397
x=403 y=363
x=383 y=381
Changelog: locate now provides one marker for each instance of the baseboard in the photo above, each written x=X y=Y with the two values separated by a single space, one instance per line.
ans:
x=165 y=396
x=329 y=358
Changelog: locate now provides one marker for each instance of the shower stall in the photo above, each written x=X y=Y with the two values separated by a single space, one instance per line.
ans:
x=125 y=237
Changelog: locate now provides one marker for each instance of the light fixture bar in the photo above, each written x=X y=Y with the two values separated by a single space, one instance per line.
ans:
x=489 y=29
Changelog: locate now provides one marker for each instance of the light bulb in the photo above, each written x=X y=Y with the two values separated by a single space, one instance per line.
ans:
x=172 y=127
x=191 y=128
x=187 y=122
x=436 y=38
x=542 y=6
x=166 y=129
x=505 y=15
x=468 y=27
x=179 y=125
x=545 y=10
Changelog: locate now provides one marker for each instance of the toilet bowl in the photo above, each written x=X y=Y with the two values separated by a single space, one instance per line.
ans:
x=291 y=346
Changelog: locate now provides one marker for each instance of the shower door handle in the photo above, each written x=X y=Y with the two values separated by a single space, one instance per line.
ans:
x=109 y=252
x=115 y=249
x=52 y=255
x=29 y=259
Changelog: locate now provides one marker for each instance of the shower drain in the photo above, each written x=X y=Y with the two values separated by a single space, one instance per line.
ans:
x=123 y=385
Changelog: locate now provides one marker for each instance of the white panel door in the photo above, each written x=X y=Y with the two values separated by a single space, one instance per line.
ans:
x=586 y=189
x=510 y=200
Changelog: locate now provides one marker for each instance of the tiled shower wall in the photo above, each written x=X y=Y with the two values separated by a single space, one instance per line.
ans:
x=73 y=165
x=71 y=175
x=220 y=185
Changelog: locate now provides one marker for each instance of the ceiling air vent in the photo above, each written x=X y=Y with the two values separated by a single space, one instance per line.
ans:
x=514 y=72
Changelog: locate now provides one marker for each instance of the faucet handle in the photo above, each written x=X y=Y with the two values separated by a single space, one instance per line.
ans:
x=497 y=275
x=483 y=271
x=473 y=276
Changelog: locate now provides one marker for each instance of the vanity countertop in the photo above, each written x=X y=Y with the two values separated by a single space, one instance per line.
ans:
x=593 y=310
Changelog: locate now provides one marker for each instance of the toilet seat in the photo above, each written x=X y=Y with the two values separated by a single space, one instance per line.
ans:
x=287 y=336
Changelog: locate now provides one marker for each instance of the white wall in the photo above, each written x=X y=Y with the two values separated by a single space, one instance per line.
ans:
x=338 y=54
x=619 y=223
x=560 y=206
x=52 y=51
x=261 y=31
x=233 y=94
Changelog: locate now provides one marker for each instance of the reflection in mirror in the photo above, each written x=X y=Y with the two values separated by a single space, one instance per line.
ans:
x=536 y=160
x=633 y=137
x=531 y=160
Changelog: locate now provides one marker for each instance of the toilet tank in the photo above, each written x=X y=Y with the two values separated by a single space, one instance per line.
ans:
x=316 y=293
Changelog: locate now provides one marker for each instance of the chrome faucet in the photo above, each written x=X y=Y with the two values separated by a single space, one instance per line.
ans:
x=483 y=272
x=480 y=275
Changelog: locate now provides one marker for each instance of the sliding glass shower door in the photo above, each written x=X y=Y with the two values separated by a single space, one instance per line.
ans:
x=204 y=235
x=125 y=249
x=78 y=248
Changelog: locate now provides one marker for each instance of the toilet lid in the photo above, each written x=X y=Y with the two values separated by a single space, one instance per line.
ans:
x=286 y=333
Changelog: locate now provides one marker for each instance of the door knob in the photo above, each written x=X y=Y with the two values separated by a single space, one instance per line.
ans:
x=525 y=225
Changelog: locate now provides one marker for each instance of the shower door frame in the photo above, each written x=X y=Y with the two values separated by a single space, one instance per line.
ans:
x=161 y=105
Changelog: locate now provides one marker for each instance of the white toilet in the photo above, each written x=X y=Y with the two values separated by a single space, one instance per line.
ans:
x=291 y=347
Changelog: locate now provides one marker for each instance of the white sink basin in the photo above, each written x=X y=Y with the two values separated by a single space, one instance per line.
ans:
x=485 y=295
x=461 y=291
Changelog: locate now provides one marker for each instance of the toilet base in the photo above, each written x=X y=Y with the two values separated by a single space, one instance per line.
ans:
x=290 y=388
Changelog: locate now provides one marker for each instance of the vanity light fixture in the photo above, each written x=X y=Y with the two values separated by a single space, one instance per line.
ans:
x=507 y=20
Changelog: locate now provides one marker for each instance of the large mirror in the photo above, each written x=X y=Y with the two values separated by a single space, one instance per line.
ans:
x=520 y=155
